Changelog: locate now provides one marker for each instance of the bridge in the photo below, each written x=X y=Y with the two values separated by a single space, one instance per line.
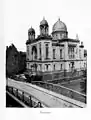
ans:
x=32 y=95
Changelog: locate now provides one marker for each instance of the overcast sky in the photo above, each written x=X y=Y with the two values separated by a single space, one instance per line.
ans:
x=20 y=15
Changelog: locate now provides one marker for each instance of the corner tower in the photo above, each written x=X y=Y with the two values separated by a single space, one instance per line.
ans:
x=31 y=34
x=44 y=27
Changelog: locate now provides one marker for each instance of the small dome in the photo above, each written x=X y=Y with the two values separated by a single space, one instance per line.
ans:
x=59 y=26
x=43 y=22
x=31 y=30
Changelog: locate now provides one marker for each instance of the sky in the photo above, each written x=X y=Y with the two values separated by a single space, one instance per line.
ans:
x=20 y=15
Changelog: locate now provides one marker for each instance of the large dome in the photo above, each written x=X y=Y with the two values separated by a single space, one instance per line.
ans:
x=43 y=22
x=59 y=26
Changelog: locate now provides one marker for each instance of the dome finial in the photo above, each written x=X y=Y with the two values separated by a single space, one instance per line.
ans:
x=59 y=19
x=77 y=38
x=31 y=30
x=43 y=22
x=43 y=18
x=81 y=43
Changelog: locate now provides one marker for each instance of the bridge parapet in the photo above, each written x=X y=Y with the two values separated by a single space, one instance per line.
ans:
x=46 y=97
x=62 y=90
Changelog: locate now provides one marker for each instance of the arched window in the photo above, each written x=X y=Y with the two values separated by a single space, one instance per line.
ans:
x=34 y=52
x=60 y=53
x=47 y=51
x=54 y=67
x=40 y=50
x=28 y=50
x=40 y=67
x=80 y=54
x=47 y=67
x=71 y=52
x=54 y=54
x=61 y=67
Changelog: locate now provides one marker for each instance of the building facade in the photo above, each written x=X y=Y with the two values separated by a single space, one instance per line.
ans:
x=55 y=53
x=15 y=61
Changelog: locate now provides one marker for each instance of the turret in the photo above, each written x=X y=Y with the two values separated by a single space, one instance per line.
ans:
x=31 y=34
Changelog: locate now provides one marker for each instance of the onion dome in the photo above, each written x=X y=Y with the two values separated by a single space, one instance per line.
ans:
x=43 y=22
x=31 y=30
x=59 y=26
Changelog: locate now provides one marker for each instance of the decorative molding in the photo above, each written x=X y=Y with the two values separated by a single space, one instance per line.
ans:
x=57 y=44
x=72 y=45
x=54 y=61
x=68 y=40
x=39 y=38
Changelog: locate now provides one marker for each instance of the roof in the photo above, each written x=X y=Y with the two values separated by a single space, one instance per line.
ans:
x=59 y=26
x=31 y=30
x=43 y=22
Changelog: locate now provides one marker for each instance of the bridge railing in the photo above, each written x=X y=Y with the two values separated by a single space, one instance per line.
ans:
x=25 y=99
x=62 y=90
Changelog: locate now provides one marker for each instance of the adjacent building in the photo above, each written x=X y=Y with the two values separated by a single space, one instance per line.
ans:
x=15 y=61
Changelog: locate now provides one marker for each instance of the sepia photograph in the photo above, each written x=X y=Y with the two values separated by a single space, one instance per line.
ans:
x=46 y=54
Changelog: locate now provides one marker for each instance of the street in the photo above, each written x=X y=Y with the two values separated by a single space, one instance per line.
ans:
x=75 y=85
